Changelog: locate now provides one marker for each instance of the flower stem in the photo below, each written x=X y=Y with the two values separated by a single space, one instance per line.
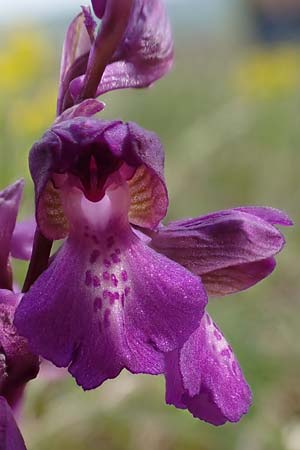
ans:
x=39 y=259
x=113 y=27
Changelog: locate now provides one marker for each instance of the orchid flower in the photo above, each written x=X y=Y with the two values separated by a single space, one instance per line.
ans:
x=107 y=301
x=123 y=290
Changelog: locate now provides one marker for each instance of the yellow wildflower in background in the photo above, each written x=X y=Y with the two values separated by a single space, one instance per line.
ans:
x=269 y=72
x=23 y=59
x=28 y=90
x=27 y=118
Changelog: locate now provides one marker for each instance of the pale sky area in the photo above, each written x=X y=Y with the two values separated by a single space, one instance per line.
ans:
x=18 y=9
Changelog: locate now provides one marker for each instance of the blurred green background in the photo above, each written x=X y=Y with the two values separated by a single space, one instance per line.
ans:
x=228 y=115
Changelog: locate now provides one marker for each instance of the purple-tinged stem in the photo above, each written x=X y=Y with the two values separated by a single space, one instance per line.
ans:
x=39 y=259
x=113 y=27
x=6 y=280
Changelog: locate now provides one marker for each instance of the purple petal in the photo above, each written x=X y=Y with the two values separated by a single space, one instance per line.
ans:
x=237 y=278
x=107 y=302
x=231 y=250
x=75 y=53
x=270 y=215
x=9 y=205
x=10 y=436
x=87 y=108
x=22 y=239
x=145 y=53
x=206 y=379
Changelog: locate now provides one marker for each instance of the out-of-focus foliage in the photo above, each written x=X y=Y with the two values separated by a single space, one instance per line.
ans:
x=269 y=72
x=230 y=125
x=28 y=95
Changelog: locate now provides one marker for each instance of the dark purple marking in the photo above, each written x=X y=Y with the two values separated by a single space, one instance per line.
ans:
x=110 y=241
x=97 y=304
x=86 y=235
x=115 y=259
x=208 y=319
x=235 y=368
x=217 y=335
x=106 y=263
x=88 y=278
x=127 y=290
x=95 y=239
x=114 y=296
x=106 y=293
x=96 y=281
x=118 y=251
x=106 y=318
x=100 y=327
x=124 y=275
x=94 y=256
x=225 y=352
x=105 y=276
x=114 y=279
x=122 y=299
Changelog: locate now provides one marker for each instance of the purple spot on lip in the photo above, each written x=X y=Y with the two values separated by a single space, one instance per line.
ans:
x=106 y=263
x=110 y=241
x=105 y=276
x=235 y=368
x=97 y=304
x=86 y=235
x=117 y=251
x=88 y=278
x=114 y=296
x=96 y=281
x=115 y=259
x=106 y=318
x=95 y=239
x=208 y=319
x=127 y=290
x=225 y=352
x=217 y=335
x=124 y=275
x=94 y=256
x=114 y=279
x=106 y=294
x=122 y=299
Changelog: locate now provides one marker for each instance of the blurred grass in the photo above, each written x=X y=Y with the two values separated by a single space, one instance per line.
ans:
x=229 y=124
